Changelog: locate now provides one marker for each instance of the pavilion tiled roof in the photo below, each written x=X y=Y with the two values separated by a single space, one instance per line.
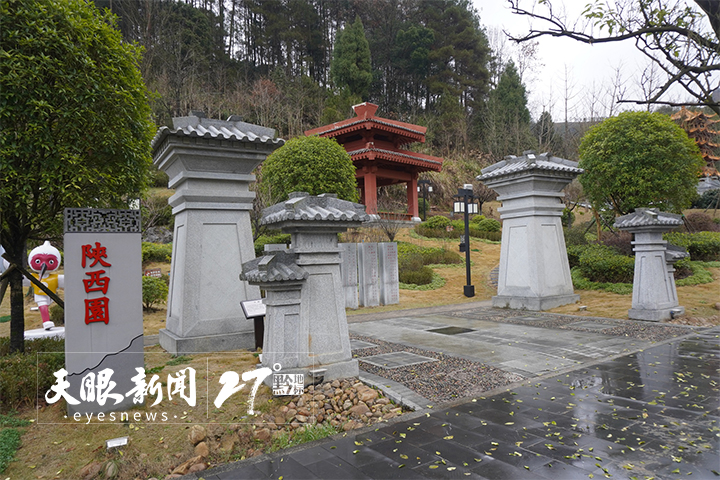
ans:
x=366 y=119
x=427 y=162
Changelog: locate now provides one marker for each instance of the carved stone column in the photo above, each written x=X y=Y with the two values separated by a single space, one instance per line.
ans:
x=210 y=164
x=534 y=269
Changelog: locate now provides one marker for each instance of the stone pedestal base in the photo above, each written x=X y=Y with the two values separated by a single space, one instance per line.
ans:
x=533 y=303
x=333 y=371
x=209 y=343
x=657 y=315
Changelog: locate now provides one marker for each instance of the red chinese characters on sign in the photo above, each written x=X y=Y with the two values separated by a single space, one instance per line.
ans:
x=96 y=309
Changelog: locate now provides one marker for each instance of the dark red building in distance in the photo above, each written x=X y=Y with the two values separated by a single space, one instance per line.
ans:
x=376 y=147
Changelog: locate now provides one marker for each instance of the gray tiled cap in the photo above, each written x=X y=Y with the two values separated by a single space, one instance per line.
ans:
x=646 y=217
x=277 y=267
x=198 y=126
x=529 y=161
x=324 y=208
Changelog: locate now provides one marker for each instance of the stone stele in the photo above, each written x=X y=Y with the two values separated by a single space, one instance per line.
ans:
x=305 y=324
x=210 y=164
x=654 y=293
x=534 y=269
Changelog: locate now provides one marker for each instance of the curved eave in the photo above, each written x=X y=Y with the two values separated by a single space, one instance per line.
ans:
x=422 y=162
x=212 y=132
x=414 y=134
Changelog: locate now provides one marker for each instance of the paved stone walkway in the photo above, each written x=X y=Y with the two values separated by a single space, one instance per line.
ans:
x=589 y=409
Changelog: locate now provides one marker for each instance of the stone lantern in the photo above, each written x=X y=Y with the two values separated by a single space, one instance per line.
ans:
x=210 y=165
x=534 y=269
x=654 y=293
x=305 y=323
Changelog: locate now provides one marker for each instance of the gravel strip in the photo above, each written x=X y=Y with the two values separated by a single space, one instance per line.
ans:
x=447 y=379
x=652 y=332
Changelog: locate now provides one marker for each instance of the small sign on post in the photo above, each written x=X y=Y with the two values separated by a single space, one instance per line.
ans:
x=255 y=309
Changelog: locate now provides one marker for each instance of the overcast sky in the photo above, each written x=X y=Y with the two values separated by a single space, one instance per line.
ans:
x=590 y=68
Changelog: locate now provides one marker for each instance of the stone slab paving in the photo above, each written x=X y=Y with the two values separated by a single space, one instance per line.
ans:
x=651 y=413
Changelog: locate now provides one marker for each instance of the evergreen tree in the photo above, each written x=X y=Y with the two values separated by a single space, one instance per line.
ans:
x=544 y=131
x=76 y=124
x=350 y=68
x=507 y=117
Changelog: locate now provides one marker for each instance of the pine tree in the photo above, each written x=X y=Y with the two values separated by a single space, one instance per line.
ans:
x=350 y=68
x=507 y=119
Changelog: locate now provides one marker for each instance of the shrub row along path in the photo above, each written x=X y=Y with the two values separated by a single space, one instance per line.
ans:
x=598 y=397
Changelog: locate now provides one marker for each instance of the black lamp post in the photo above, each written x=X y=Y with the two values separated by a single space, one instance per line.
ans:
x=465 y=203
x=424 y=187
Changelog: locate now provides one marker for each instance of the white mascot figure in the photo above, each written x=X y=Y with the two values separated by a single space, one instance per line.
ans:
x=44 y=261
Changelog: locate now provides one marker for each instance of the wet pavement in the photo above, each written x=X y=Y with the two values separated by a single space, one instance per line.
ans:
x=654 y=413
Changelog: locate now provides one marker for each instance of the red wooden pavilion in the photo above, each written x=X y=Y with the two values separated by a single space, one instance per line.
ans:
x=375 y=143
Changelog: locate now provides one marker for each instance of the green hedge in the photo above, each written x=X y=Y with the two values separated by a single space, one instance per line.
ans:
x=156 y=252
x=18 y=371
x=425 y=230
x=154 y=291
x=430 y=255
x=269 y=239
x=703 y=246
x=600 y=263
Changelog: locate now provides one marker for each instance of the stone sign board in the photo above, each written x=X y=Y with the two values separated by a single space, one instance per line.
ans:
x=388 y=267
x=368 y=274
x=103 y=307
x=349 y=273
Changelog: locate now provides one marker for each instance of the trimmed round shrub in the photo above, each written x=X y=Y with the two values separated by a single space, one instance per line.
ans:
x=620 y=241
x=309 y=164
x=477 y=219
x=154 y=291
x=489 y=225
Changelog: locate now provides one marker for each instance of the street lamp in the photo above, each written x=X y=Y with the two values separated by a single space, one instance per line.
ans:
x=465 y=203
x=424 y=187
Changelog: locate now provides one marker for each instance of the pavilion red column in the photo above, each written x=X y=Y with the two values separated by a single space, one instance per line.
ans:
x=412 y=197
x=370 y=190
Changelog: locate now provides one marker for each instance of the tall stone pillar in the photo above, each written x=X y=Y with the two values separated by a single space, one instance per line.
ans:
x=312 y=334
x=654 y=293
x=534 y=269
x=210 y=164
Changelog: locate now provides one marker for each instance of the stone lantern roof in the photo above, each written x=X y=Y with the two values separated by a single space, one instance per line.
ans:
x=528 y=162
x=327 y=208
x=276 y=267
x=648 y=217
x=197 y=126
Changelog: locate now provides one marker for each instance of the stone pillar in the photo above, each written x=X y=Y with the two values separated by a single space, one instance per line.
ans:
x=654 y=293
x=388 y=268
x=368 y=275
x=534 y=269
x=317 y=325
x=210 y=164
x=349 y=273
